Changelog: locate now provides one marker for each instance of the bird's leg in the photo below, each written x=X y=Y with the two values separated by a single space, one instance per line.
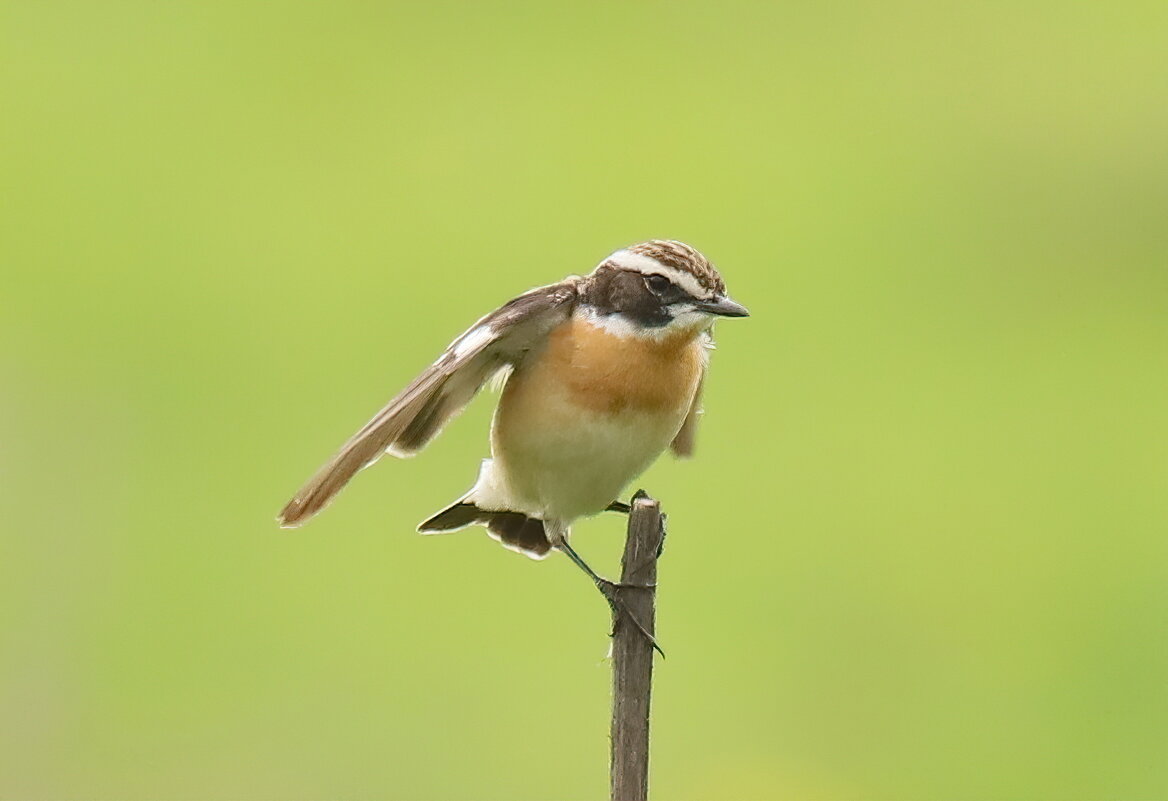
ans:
x=598 y=580
x=580 y=563
x=608 y=590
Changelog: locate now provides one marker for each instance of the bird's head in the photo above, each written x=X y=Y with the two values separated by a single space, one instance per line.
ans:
x=658 y=286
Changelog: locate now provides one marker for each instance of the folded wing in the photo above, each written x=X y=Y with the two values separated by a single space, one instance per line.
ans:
x=413 y=418
x=683 y=443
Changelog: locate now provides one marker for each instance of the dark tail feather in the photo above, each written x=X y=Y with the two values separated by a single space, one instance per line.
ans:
x=518 y=531
x=460 y=515
x=514 y=529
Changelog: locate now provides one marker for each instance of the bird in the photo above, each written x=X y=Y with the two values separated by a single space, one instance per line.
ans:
x=601 y=374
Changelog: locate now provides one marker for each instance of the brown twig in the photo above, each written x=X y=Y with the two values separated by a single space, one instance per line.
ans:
x=632 y=651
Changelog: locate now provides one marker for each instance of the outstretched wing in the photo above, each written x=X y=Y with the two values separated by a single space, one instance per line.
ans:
x=419 y=412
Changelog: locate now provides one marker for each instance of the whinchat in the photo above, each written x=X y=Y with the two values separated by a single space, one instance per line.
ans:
x=603 y=373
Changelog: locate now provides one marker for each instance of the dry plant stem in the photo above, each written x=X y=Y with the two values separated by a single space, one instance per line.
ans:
x=632 y=651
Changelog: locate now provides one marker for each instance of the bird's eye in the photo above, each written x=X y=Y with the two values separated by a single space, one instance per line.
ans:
x=657 y=283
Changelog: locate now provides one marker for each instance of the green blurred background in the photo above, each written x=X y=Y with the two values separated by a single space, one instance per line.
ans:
x=922 y=550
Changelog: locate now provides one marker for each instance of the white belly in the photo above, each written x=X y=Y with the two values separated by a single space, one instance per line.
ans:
x=584 y=417
x=576 y=467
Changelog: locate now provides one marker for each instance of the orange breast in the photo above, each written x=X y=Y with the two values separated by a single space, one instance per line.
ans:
x=607 y=373
x=588 y=413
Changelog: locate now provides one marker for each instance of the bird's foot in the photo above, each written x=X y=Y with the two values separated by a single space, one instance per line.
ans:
x=626 y=508
x=619 y=608
x=609 y=589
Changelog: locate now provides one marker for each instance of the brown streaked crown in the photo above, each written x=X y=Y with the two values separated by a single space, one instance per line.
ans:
x=652 y=282
x=681 y=256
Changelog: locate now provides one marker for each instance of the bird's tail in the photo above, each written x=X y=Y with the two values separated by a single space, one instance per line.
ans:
x=514 y=530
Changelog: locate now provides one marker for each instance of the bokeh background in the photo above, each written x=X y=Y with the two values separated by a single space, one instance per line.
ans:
x=922 y=550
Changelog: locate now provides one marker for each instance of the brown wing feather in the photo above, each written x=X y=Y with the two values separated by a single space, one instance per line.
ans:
x=683 y=443
x=418 y=413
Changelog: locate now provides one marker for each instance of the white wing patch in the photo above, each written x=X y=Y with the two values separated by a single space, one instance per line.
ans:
x=416 y=415
x=472 y=340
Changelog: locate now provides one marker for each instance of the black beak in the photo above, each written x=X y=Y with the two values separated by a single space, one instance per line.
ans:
x=723 y=307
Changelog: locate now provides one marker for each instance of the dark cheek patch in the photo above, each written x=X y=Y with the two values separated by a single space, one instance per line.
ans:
x=636 y=301
x=613 y=291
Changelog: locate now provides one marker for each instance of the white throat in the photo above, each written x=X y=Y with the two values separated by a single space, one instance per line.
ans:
x=617 y=324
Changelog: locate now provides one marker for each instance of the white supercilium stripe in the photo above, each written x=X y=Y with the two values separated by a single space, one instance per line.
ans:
x=648 y=265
